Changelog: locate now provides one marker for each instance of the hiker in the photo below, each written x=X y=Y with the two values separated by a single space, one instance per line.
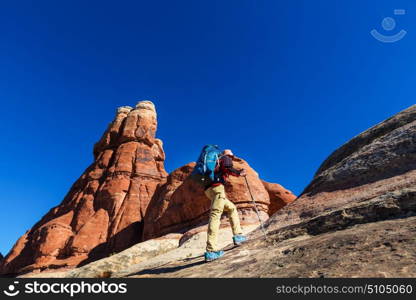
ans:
x=219 y=203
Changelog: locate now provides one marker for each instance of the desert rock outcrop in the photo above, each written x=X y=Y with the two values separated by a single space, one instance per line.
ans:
x=377 y=164
x=125 y=197
x=180 y=204
x=103 y=211
x=357 y=218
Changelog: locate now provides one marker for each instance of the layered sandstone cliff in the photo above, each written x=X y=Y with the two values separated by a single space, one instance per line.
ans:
x=357 y=218
x=103 y=211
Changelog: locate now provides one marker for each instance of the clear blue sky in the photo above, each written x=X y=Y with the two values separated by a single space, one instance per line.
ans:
x=282 y=83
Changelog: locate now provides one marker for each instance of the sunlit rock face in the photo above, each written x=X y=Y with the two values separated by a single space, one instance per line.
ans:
x=103 y=211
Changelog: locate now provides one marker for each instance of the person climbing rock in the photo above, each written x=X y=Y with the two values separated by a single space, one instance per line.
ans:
x=219 y=203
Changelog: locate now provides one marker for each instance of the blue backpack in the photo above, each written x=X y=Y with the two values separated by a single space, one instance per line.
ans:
x=204 y=170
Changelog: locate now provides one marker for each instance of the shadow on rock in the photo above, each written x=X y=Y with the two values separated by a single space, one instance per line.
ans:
x=168 y=269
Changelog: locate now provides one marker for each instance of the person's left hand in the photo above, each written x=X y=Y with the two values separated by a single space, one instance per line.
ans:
x=243 y=173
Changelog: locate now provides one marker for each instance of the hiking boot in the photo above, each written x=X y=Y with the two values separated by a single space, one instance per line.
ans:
x=210 y=256
x=239 y=239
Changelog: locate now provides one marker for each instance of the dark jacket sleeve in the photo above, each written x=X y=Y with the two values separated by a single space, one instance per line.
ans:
x=226 y=165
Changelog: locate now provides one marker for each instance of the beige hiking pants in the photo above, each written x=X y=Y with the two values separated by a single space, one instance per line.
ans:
x=220 y=203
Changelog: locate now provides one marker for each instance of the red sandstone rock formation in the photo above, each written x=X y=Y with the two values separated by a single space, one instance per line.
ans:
x=377 y=166
x=103 y=212
x=107 y=207
x=279 y=196
x=180 y=204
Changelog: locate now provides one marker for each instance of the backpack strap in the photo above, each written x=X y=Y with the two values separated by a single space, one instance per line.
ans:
x=205 y=162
